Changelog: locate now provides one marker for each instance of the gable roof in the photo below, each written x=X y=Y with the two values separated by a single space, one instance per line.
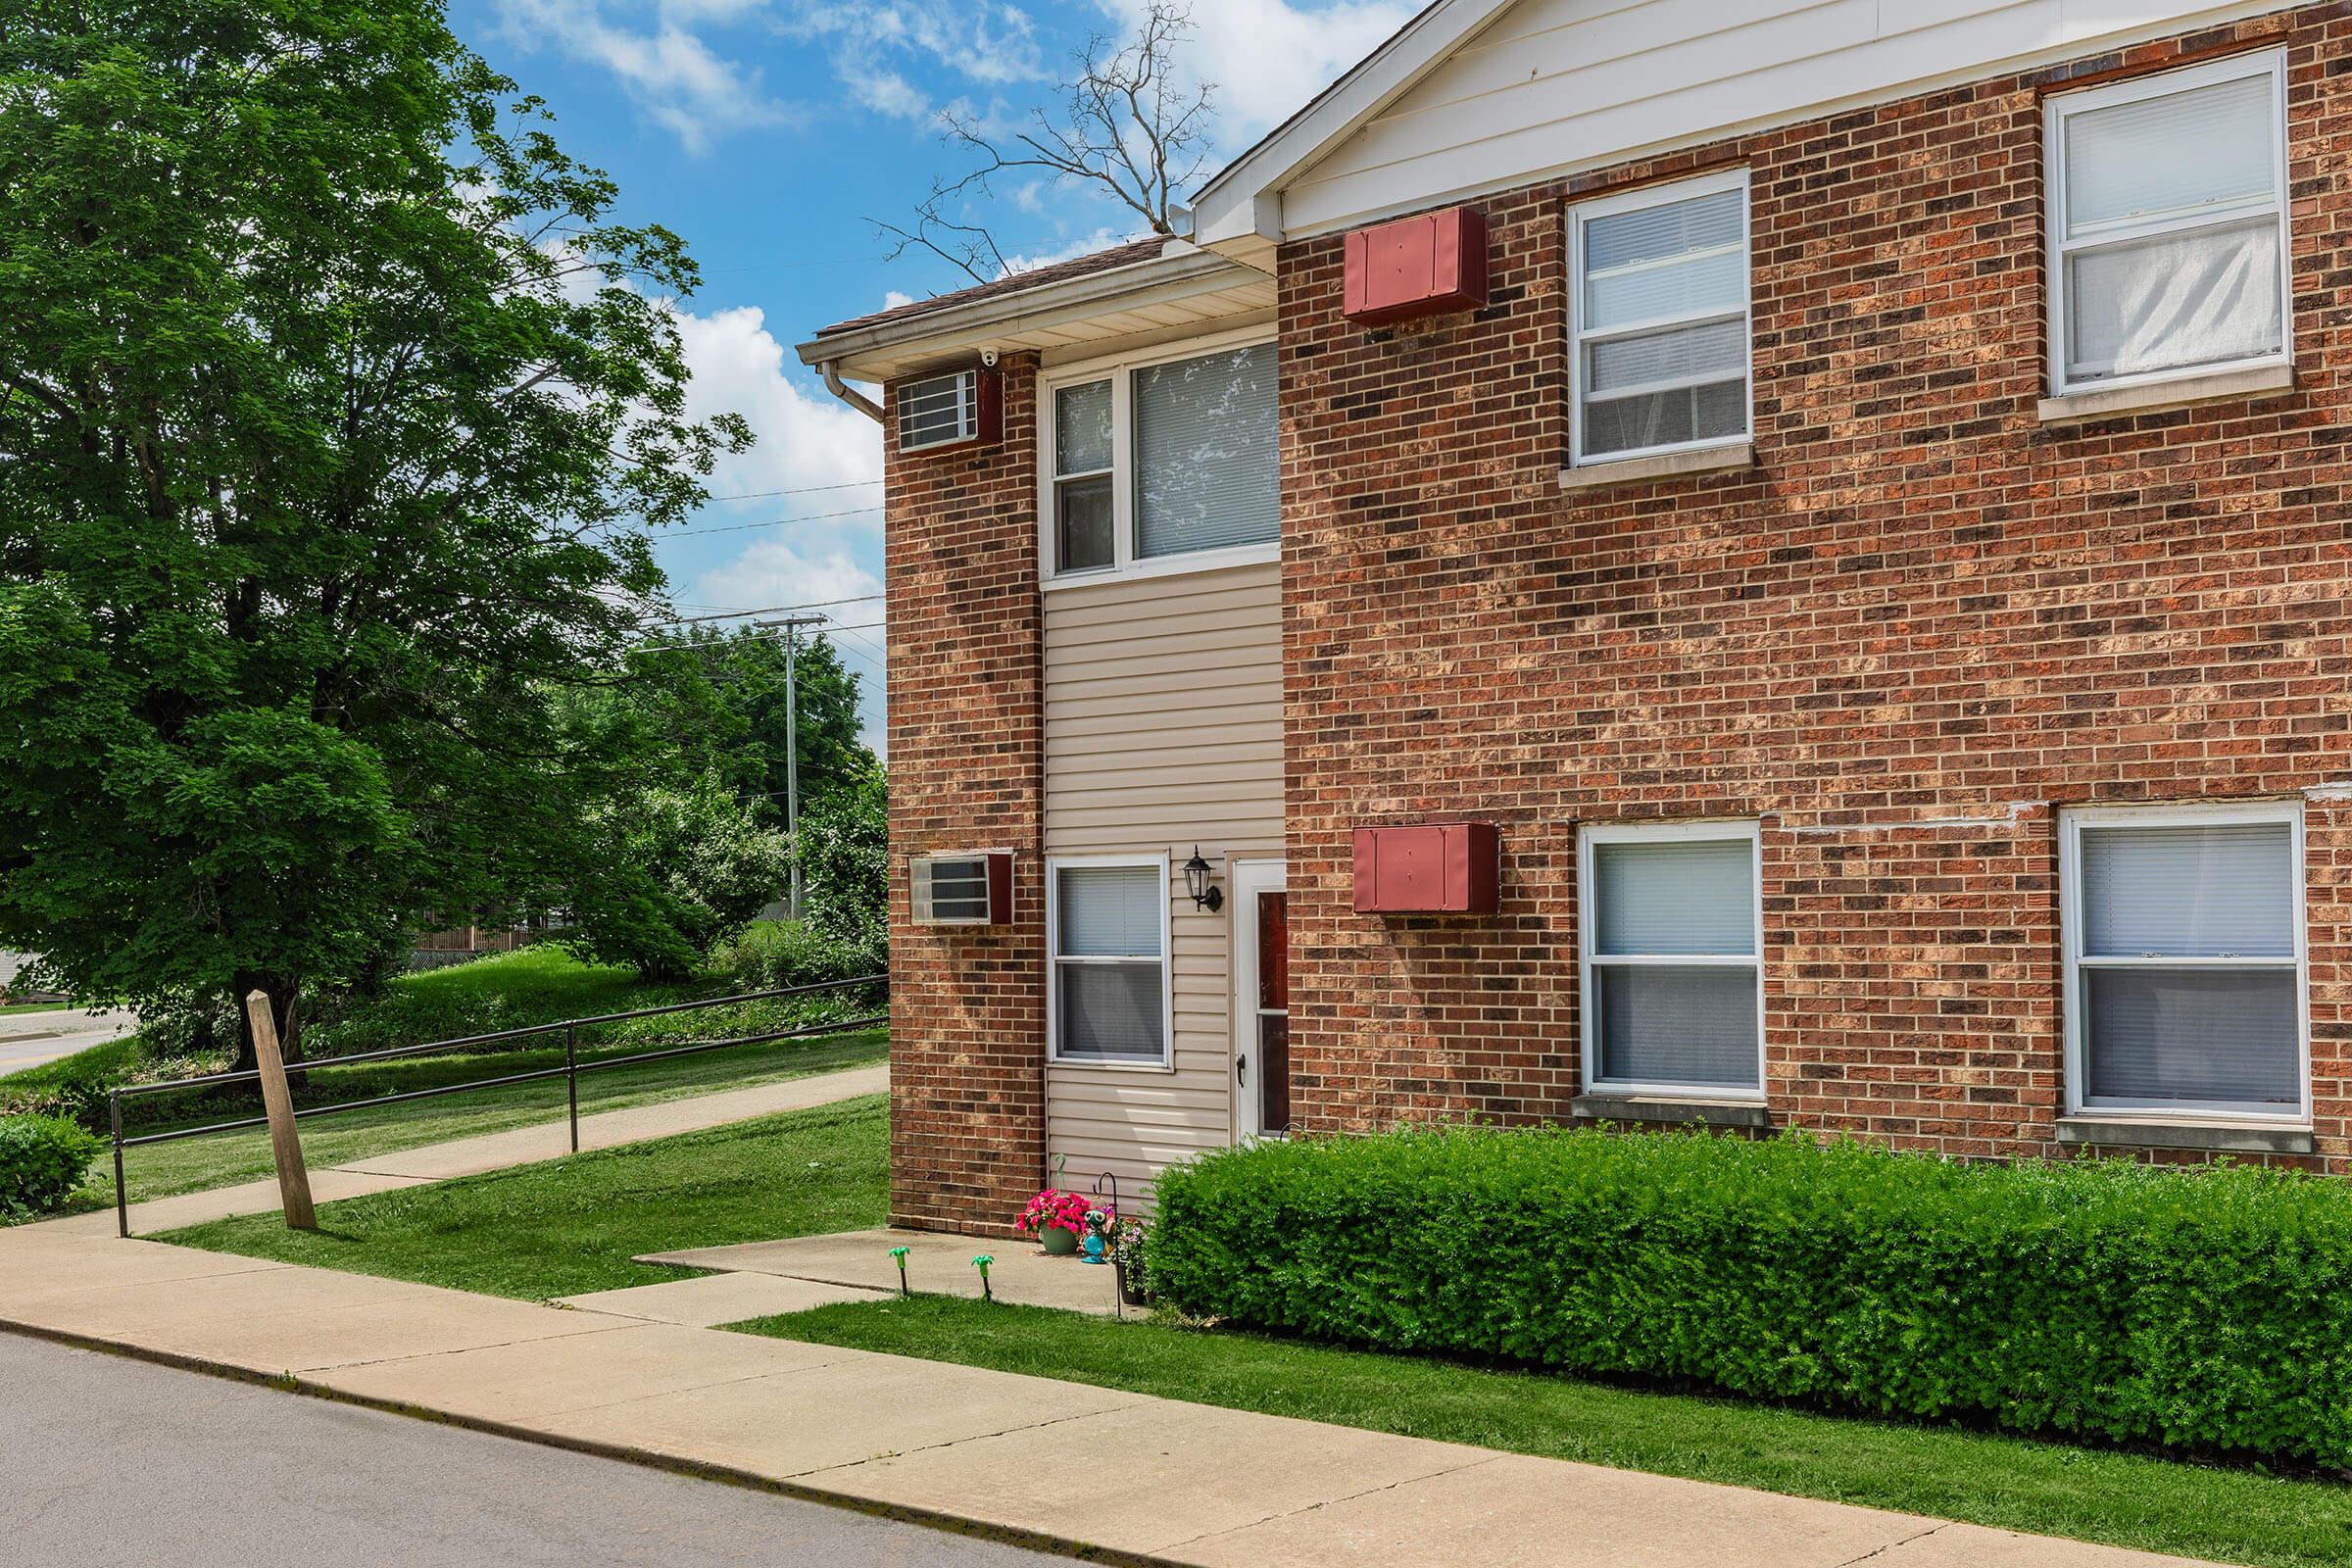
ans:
x=1241 y=203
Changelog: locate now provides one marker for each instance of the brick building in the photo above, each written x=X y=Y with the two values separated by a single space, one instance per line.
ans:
x=1855 y=496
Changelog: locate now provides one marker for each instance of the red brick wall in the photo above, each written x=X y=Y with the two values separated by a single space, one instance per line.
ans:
x=1915 y=631
x=967 y=766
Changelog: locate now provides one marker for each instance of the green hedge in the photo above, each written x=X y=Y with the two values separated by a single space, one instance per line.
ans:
x=2209 y=1311
x=42 y=1160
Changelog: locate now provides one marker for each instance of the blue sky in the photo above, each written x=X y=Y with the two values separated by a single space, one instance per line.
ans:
x=768 y=133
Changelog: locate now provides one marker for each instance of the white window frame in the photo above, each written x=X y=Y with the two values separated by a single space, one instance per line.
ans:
x=1055 y=864
x=1680 y=190
x=2071 y=922
x=1120 y=370
x=1588 y=963
x=2058 y=109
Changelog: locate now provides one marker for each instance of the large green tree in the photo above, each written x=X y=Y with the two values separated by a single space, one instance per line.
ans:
x=330 y=395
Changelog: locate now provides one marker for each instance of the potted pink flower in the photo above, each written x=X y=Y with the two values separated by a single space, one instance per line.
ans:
x=1057 y=1219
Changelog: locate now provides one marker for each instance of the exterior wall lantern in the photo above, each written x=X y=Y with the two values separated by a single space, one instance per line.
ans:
x=1197 y=883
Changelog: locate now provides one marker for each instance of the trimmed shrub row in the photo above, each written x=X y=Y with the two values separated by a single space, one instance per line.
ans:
x=42 y=1160
x=2207 y=1310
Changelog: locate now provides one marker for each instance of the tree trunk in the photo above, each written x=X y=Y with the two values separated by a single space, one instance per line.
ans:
x=281 y=991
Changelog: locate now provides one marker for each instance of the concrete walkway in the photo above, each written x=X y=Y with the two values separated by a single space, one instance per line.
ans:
x=1088 y=1469
x=29 y=1039
x=470 y=1156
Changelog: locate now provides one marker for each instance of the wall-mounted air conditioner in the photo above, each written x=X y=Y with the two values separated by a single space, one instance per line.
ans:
x=963 y=889
x=955 y=408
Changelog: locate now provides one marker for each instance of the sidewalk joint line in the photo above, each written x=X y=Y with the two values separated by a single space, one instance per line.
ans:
x=977 y=1437
x=1333 y=1503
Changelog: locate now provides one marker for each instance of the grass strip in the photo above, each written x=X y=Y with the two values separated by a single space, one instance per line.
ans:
x=569 y=1226
x=2053 y=1489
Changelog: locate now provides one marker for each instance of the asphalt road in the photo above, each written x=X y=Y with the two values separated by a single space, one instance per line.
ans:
x=107 y=1459
x=28 y=1039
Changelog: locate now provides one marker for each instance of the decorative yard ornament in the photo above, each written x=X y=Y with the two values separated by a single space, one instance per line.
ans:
x=981 y=1263
x=1097 y=1230
x=899 y=1254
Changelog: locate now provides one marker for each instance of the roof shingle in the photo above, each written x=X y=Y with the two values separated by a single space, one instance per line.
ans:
x=1141 y=250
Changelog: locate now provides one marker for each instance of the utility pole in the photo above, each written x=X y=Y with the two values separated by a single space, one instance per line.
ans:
x=792 y=626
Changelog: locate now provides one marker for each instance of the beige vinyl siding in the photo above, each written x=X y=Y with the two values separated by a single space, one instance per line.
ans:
x=1164 y=729
x=1557 y=85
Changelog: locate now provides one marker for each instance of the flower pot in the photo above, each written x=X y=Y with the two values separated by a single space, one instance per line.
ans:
x=1131 y=1291
x=1057 y=1241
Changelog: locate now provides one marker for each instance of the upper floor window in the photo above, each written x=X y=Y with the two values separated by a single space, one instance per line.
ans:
x=2168 y=224
x=2184 y=960
x=1671 y=947
x=1161 y=459
x=1659 y=319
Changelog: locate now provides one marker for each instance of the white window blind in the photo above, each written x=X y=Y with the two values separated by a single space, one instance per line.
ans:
x=1109 y=969
x=1661 y=291
x=2187 y=972
x=1207 y=472
x=2169 y=222
x=1083 y=503
x=1671 y=968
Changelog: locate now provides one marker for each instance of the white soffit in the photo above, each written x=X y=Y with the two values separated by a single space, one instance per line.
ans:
x=1478 y=96
x=1184 y=292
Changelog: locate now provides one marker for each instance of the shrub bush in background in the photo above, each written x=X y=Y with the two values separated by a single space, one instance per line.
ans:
x=2207 y=1309
x=42 y=1160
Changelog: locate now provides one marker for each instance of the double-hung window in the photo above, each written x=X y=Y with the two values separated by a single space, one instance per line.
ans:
x=2168 y=224
x=1153 y=463
x=2184 y=952
x=1108 y=934
x=1659 y=320
x=1671 y=933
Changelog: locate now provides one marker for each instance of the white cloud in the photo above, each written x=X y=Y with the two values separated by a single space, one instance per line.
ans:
x=893 y=298
x=808 y=437
x=779 y=571
x=991 y=44
x=1268 y=57
x=669 y=72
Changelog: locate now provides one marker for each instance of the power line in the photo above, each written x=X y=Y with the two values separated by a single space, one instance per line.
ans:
x=772 y=522
x=804 y=490
x=766 y=610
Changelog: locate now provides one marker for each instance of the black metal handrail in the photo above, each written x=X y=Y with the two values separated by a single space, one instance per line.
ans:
x=570 y=1071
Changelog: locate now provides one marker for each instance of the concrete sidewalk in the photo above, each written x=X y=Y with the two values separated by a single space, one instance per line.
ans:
x=470 y=1156
x=1092 y=1470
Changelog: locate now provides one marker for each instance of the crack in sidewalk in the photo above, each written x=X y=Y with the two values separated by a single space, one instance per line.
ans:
x=1880 y=1551
x=972 y=1437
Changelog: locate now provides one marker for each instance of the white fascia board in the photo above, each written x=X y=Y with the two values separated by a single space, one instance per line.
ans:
x=1243 y=203
x=875 y=353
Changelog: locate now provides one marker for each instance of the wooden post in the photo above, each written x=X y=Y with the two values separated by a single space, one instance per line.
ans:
x=293 y=1180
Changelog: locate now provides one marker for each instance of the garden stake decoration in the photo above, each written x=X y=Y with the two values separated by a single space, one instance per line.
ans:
x=981 y=1263
x=899 y=1253
x=1098 y=1229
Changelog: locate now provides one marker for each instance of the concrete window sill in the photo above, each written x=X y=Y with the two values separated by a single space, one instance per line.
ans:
x=2115 y=1132
x=2156 y=397
x=1606 y=1107
x=1672 y=466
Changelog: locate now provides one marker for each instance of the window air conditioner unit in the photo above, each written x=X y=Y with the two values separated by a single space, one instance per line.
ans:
x=963 y=889
x=957 y=409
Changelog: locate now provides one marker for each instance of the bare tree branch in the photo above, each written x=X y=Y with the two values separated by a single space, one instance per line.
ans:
x=1126 y=130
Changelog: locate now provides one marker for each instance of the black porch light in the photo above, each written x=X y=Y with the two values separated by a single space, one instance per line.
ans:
x=1197 y=883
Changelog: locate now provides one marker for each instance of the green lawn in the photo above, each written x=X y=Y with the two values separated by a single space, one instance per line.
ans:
x=571 y=1225
x=219 y=1159
x=2045 y=1487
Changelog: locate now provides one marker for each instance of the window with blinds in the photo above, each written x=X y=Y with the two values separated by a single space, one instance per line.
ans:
x=1660 y=320
x=1155 y=460
x=1672 y=977
x=1206 y=475
x=2168 y=223
x=939 y=410
x=1109 y=963
x=2184 y=967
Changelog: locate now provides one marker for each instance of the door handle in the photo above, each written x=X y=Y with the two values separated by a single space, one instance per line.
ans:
x=1241 y=1067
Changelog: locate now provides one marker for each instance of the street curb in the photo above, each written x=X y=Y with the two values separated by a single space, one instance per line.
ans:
x=292 y=1383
